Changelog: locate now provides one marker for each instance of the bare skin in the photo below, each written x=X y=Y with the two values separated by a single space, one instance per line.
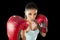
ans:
x=31 y=15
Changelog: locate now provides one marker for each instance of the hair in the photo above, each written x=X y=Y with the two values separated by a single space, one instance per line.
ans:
x=31 y=5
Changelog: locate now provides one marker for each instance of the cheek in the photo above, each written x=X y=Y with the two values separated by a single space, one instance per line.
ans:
x=34 y=16
x=29 y=17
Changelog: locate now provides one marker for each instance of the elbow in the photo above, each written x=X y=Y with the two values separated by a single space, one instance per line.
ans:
x=43 y=34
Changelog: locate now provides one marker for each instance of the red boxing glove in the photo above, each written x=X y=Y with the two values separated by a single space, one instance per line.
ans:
x=14 y=25
x=43 y=22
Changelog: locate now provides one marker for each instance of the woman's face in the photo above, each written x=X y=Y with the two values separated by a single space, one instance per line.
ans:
x=31 y=14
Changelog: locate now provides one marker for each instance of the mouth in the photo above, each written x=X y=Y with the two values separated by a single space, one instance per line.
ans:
x=32 y=20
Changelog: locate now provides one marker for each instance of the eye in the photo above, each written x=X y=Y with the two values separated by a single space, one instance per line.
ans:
x=35 y=14
x=30 y=14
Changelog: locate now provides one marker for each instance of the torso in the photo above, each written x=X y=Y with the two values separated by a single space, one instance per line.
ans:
x=32 y=32
x=32 y=27
x=32 y=35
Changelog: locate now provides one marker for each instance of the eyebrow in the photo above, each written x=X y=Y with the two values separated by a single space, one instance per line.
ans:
x=35 y=13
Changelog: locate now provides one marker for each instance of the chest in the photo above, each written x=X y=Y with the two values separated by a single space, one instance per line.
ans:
x=32 y=27
x=32 y=34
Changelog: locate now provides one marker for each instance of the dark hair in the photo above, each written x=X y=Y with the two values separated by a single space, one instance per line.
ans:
x=31 y=5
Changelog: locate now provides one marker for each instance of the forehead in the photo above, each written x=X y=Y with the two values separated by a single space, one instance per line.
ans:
x=31 y=10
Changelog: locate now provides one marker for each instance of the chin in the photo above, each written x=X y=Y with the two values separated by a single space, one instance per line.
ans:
x=31 y=20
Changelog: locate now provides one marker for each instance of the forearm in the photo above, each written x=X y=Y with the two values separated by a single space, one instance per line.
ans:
x=24 y=38
x=43 y=34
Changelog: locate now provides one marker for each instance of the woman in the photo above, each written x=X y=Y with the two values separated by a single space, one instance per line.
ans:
x=32 y=31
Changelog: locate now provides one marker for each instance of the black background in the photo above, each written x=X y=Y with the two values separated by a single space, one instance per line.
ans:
x=16 y=7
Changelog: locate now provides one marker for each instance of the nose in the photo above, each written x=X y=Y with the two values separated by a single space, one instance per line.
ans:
x=32 y=17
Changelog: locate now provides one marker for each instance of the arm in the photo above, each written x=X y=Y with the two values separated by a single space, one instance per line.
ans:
x=43 y=31
x=43 y=34
x=43 y=24
x=23 y=34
